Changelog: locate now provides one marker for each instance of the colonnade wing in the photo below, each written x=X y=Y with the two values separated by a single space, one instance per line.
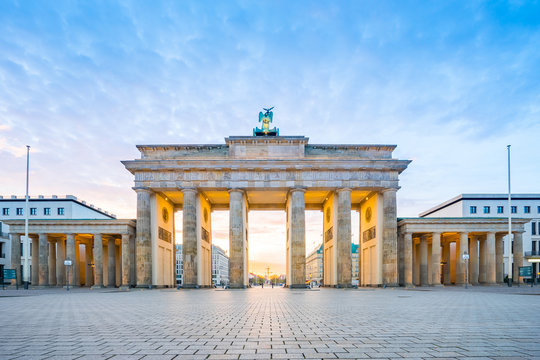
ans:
x=54 y=241
x=456 y=250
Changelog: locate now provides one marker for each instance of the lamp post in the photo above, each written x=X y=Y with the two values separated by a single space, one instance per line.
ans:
x=466 y=260
x=26 y=242
x=68 y=264
x=509 y=242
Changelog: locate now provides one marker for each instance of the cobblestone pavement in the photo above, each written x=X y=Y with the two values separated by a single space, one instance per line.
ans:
x=480 y=323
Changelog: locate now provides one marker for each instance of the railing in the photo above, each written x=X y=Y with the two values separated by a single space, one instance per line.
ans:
x=532 y=253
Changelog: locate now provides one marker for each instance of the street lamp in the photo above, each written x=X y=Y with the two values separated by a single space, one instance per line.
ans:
x=466 y=259
x=68 y=264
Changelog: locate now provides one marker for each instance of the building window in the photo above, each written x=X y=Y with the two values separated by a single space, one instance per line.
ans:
x=5 y=211
x=473 y=209
x=46 y=211
x=20 y=211
x=538 y=209
x=513 y=209
x=533 y=228
x=500 y=209
x=527 y=209
x=60 y=211
x=486 y=209
x=33 y=211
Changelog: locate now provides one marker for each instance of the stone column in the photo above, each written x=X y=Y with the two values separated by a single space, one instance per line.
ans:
x=144 y=238
x=499 y=258
x=447 y=279
x=98 y=261
x=473 y=261
x=88 y=263
x=76 y=266
x=359 y=249
x=126 y=263
x=16 y=255
x=52 y=263
x=70 y=254
x=436 y=259
x=35 y=261
x=518 y=255
x=491 y=268
x=43 y=260
x=111 y=264
x=460 y=263
x=133 y=261
x=60 y=257
x=408 y=257
x=423 y=261
x=343 y=238
x=389 y=238
x=189 y=235
x=297 y=239
x=237 y=239
x=483 y=257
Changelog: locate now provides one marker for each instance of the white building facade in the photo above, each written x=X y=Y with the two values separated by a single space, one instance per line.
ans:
x=68 y=207
x=523 y=206
x=220 y=266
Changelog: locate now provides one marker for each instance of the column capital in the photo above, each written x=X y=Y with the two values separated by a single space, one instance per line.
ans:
x=382 y=191
x=139 y=189
x=189 y=189
x=338 y=190
x=297 y=189
x=240 y=190
x=436 y=232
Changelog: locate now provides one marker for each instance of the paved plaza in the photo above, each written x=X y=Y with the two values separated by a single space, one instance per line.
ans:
x=480 y=323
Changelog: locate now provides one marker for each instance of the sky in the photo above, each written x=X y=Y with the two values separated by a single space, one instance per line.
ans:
x=450 y=83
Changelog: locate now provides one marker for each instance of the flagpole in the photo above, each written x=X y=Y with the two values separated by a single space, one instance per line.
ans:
x=26 y=243
x=509 y=242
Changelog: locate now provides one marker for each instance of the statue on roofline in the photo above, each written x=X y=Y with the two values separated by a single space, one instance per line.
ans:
x=266 y=118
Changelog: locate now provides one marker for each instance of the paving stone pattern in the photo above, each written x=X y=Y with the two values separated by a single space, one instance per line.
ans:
x=480 y=323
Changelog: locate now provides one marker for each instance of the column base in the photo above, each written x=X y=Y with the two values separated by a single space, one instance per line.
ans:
x=70 y=286
x=298 y=286
x=124 y=288
x=143 y=286
x=390 y=285
x=93 y=287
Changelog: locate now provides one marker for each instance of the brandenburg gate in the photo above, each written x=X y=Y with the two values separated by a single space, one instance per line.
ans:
x=260 y=172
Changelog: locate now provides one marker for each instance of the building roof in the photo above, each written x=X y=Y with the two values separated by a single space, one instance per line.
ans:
x=462 y=197
x=71 y=198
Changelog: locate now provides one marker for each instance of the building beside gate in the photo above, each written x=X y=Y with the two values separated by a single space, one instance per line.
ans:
x=43 y=209
x=482 y=206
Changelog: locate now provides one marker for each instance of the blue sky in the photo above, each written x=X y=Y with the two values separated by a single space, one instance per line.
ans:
x=451 y=83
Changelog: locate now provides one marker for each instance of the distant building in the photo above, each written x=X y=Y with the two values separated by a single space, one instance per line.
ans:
x=179 y=262
x=524 y=206
x=220 y=266
x=42 y=208
x=314 y=265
